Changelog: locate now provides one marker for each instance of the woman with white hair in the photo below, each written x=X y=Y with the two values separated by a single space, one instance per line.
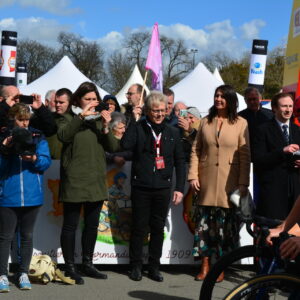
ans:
x=156 y=148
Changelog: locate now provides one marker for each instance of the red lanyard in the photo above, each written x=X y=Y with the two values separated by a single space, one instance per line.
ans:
x=157 y=139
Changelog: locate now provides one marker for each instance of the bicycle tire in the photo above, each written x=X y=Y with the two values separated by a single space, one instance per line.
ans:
x=224 y=263
x=282 y=281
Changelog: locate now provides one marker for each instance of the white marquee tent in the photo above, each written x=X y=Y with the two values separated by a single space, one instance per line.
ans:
x=197 y=89
x=135 y=77
x=217 y=74
x=63 y=75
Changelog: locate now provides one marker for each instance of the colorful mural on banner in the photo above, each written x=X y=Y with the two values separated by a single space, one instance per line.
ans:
x=114 y=223
x=292 y=61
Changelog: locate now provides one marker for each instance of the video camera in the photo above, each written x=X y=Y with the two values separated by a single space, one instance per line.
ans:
x=22 y=141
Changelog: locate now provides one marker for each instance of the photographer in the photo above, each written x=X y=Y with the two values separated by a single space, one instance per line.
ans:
x=24 y=156
x=85 y=136
x=41 y=119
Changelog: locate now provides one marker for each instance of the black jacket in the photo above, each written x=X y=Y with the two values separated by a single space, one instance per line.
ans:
x=255 y=119
x=138 y=139
x=275 y=170
x=42 y=119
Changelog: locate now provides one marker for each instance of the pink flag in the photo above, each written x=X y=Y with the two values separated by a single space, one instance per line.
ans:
x=154 y=61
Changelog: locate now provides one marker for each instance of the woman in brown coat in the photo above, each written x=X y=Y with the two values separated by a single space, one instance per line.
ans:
x=220 y=163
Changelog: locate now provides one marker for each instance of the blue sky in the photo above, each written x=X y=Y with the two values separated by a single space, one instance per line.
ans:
x=209 y=26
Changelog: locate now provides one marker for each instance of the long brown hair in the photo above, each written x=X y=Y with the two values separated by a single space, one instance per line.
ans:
x=232 y=101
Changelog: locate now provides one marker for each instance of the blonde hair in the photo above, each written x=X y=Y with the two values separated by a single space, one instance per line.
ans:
x=19 y=111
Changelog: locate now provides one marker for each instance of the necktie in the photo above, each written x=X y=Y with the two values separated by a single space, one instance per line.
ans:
x=285 y=133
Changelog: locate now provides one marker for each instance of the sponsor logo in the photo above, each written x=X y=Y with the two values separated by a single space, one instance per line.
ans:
x=257 y=69
x=261 y=47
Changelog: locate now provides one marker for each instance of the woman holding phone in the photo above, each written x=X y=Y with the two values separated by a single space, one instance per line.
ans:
x=86 y=136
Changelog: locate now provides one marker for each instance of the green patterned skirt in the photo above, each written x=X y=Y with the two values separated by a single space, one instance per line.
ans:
x=216 y=231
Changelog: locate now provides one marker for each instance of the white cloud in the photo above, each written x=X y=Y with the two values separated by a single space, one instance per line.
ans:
x=251 y=29
x=57 y=7
x=112 y=41
x=41 y=30
x=216 y=37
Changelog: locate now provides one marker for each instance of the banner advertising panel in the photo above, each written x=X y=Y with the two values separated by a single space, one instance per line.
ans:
x=114 y=223
x=292 y=61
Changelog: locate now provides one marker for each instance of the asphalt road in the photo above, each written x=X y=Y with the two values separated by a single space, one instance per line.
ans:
x=178 y=284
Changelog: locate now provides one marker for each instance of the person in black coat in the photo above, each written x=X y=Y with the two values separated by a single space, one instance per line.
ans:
x=42 y=118
x=157 y=149
x=276 y=161
x=255 y=114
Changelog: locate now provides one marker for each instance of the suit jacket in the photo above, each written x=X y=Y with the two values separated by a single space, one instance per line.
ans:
x=276 y=173
x=220 y=163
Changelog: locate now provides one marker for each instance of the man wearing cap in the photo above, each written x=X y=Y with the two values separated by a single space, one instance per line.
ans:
x=188 y=126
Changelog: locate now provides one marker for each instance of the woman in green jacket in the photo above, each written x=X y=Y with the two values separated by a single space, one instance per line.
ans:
x=85 y=136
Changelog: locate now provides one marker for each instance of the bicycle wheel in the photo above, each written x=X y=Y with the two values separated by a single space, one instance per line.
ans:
x=275 y=286
x=235 y=273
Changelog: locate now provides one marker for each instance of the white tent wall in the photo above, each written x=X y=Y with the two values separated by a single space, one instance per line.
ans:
x=135 y=77
x=63 y=75
x=197 y=89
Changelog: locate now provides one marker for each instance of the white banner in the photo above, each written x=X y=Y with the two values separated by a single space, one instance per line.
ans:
x=257 y=69
x=114 y=224
x=8 y=61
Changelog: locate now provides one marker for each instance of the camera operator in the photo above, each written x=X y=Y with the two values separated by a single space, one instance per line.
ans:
x=24 y=156
x=42 y=118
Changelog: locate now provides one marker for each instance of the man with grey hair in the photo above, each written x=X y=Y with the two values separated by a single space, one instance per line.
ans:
x=255 y=114
x=50 y=100
x=157 y=149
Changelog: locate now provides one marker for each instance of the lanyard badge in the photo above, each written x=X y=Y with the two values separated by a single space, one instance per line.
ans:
x=159 y=160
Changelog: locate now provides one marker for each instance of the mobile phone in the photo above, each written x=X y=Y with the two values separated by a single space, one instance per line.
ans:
x=183 y=113
x=26 y=99
x=102 y=106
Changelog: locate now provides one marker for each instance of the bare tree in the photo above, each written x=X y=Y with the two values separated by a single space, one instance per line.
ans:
x=176 y=58
x=39 y=58
x=87 y=56
x=119 y=69
x=137 y=45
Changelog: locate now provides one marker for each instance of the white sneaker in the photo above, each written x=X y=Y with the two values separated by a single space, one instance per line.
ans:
x=24 y=283
x=4 y=284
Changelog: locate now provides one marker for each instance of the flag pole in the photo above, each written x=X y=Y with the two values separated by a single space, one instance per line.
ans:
x=143 y=89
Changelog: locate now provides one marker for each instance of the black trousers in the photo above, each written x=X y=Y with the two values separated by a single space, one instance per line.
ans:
x=10 y=218
x=149 y=211
x=90 y=230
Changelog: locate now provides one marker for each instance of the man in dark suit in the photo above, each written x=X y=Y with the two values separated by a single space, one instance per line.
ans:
x=255 y=114
x=276 y=161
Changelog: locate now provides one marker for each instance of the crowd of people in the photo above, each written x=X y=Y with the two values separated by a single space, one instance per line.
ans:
x=213 y=153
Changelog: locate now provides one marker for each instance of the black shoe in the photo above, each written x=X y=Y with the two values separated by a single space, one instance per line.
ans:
x=136 y=273
x=155 y=275
x=71 y=272
x=91 y=271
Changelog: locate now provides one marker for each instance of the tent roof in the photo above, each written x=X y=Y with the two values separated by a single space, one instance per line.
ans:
x=63 y=75
x=197 y=89
x=217 y=74
x=135 y=77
